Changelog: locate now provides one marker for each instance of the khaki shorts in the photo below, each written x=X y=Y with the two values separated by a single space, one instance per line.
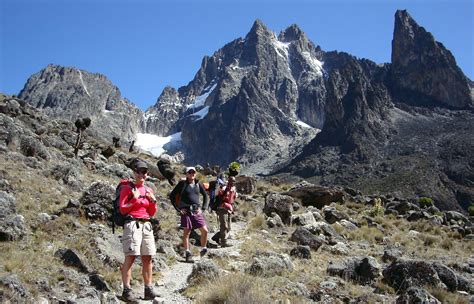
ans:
x=138 y=240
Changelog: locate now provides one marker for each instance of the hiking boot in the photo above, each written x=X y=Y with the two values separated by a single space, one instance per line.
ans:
x=203 y=252
x=216 y=238
x=127 y=296
x=188 y=256
x=149 y=293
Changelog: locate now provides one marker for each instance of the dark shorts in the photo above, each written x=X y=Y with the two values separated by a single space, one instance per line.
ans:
x=193 y=221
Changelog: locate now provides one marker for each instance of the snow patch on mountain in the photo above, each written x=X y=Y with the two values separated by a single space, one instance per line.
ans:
x=201 y=99
x=201 y=113
x=314 y=63
x=303 y=124
x=281 y=48
x=155 y=144
x=83 y=84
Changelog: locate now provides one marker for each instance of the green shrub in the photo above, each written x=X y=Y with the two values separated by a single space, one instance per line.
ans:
x=234 y=166
x=471 y=210
x=377 y=209
x=425 y=202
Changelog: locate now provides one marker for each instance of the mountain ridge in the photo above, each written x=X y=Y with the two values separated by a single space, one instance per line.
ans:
x=251 y=99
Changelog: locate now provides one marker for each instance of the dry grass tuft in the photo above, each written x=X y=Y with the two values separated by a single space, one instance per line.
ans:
x=257 y=223
x=447 y=297
x=430 y=240
x=370 y=234
x=235 y=288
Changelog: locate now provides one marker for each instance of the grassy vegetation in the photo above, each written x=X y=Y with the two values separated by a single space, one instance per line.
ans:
x=234 y=288
x=447 y=297
x=36 y=192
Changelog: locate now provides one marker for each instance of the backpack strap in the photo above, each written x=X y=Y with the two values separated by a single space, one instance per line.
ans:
x=183 y=184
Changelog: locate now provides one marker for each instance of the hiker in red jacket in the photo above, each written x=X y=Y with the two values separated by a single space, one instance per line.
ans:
x=139 y=204
x=226 y=197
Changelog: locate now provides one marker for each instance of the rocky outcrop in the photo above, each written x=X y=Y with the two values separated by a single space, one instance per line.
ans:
x=12 y=225
x=384 y=123
x=71 y=93
x=160 y=118
x=423 y=71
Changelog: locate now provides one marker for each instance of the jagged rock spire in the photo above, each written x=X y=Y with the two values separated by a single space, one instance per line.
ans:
x=424 y=72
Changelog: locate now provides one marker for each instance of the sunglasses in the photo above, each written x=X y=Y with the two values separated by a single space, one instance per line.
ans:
x=142 y=171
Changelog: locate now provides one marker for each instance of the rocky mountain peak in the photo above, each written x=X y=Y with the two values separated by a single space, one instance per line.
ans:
x=291 y=33
x=424 y=72
x=259 y=29
x=70 y=93
x=168 y=91
x=258 y=36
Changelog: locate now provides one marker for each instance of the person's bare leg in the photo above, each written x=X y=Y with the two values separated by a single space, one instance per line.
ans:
x=186 y=234
x=147 y=270
x=204 y=232
x=127 y=270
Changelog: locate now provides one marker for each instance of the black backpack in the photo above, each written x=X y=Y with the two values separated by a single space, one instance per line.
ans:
x=214 y=200
x=118 y=219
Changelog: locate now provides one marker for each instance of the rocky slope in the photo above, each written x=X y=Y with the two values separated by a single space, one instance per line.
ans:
x=297 y=243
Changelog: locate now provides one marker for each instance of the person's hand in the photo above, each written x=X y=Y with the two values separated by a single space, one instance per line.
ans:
x=151 y=197
x=136 y=193
x=182 y=211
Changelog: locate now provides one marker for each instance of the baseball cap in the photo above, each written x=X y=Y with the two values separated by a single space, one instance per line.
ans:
x=141 y=165
x=190 y=169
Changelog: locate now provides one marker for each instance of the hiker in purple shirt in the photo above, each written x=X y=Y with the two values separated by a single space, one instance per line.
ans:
x=186 y=200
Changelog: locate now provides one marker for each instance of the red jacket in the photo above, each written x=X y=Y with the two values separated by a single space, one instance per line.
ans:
x=228 y=196
x=141 y=207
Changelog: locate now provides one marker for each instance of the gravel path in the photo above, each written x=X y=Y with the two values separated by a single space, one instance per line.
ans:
x=174 y=279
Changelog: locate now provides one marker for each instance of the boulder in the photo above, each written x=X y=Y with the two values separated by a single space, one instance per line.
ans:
x=71 y=258
x=403 y=274
x=12 y=283
x=416 y=295
x=331 y=215
x=303 y=219
x=202 y=271
x=392 y=253
x=281 y=205
x=303 y=236
x=12 y=225
x=97 y=200
x=318 y=196
x=301 y=251
x=245 y=184
x=269 y=264
x=361 y=270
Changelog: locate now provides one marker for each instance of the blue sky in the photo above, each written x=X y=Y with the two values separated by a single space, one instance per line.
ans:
x=144 y=45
